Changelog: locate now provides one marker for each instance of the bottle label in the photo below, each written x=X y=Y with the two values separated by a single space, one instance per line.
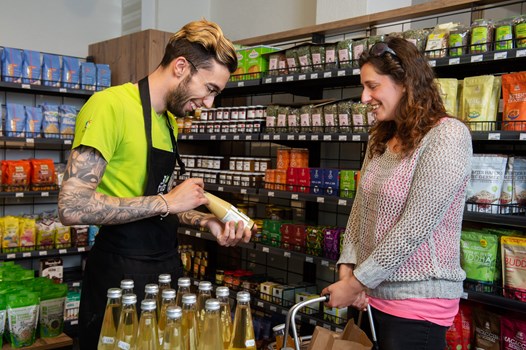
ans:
x=250 y=342
x=108 y=340
x=123 y=345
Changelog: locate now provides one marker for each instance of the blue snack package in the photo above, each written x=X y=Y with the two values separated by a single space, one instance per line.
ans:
x=31 y=67
x=33 y=121
x=66 y=119
x=51 y=70
x=103 y=76
x=15 y=120
x=70 y=72
x=50 y=125
x=12 y=65
x=88 y=76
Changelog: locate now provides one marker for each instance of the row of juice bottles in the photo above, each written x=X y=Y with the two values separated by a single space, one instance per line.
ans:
x=176 y=320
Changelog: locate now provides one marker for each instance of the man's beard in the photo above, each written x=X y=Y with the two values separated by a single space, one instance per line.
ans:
x=177 y=98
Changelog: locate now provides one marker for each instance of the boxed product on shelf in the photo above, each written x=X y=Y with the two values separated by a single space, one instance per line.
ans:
x=316 y=180
x=331 y=242
x=348 y=183
x=52 y=268
x=514 y=101
x=88 y=75
x=103 y=76
x=335 y=315
x=331 y=182
x=312 y=308
x=71 y=308
x=255 y=61
x=283 y=295
x=314 y=240
x=11 y=62
x=265 y=290
x=79 y=235
x=239 y=73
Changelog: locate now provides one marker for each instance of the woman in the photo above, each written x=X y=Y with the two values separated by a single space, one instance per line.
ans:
x=401 y=251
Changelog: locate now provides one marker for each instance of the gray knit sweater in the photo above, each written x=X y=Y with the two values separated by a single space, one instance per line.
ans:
x=403 y=232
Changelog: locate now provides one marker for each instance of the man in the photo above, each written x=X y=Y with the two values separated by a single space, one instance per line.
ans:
x=123 y=156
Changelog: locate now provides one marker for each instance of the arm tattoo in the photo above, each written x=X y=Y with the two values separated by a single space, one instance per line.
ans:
x=193 y=217
x=80 y=203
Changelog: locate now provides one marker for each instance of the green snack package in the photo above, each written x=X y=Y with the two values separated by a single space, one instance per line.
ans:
x=478 y=255
x=2 y=316
x=22 y=318
x=52 y=302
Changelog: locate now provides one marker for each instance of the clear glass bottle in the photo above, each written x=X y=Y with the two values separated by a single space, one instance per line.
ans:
x=147 y=335
x=172 y=335
x=243 y=331
x=168 y=298
x=110 y=322
x=189 y=324
x=126 y=338
x=165 y=282
x=204 y=293
x=151 y=291
x=225 y=211
x=222 y=294
x=183 y=287
x=127 y=286
x=212 y=327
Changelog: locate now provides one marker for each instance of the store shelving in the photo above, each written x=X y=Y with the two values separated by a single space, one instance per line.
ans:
x=44 y=253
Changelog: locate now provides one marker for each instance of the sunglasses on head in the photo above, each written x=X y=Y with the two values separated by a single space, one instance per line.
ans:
x=380 y=49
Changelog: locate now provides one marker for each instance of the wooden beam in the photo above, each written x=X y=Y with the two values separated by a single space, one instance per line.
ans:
x=362 y=22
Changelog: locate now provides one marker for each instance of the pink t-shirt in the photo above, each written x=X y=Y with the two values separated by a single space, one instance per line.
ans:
x=438 y=311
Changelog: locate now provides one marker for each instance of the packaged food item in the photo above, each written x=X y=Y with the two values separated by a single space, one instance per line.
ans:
x=70 y=72
x=50 y=70
x=240 y=71
x=67 y=116
x=418 y=37
x=103 y=76
x=519 y=29
x=46 y=229
x=11 y=63
x=317 y=121
x=305 y=118
x=478 y=256
x=513 y=330
x=277 y=64
x=514 y=101
x=293 y=120
x=481 y=36
x=345 y=52
x=360 y=121
x=50 y=122
x=88 y=76
x=34 y=119
x=42 y=175
x=31 y=67
x=293 y=62
x=437 y=40
x=476 y=97
x=514 y=260
x=484 y=188
x=344 y=116
x=271 y=115
x=62 y=235
x=486 y=327
x=281 y=120
x=16 y=175
x=22 y=316
x=15 y=120
x=507 y=199
x=305 y=58
x=358 y=47
x=448 y=88
x=11 y=235
x=458 y=41
x=28 y=234
x=317 y=53
x=504 y=34
x=331 y=56
x=373 y=39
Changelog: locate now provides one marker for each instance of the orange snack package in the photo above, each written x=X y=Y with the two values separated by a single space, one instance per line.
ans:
x=514 y=98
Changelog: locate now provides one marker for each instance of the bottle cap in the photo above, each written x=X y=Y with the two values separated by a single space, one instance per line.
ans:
x=174 y=312
x=189 y=298
x=165 y=278
x=212 y=304
x=148 y=304
x=151 y=288
x=205 y=285
x=168 y=293
x=129 y=299
x=127 y=284
x=278 y=328
x=243 y=297
x=222 y=292
x=114 y=293
x=183 y=282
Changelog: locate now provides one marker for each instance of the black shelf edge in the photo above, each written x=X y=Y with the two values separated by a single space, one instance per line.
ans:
x=219 y=137
x=35 y=143
x=44 y=253
x=498 y=135
x=345 y=202
x=290 y=253
x=42 y=89
x=208 y=236
x=326 y=137
x=29 y=194
x=485 y=218
x=495 y=301
x=230 y=189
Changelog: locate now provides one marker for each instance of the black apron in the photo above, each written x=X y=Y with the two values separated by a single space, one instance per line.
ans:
x=139 y=250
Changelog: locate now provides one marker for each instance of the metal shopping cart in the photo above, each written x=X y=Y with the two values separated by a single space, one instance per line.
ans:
x=291 y=320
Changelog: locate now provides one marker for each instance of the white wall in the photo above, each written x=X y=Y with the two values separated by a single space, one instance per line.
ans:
x=173 y=14
x=59 y=26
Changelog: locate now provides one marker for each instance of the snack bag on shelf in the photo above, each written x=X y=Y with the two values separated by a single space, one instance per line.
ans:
x=62 y=235
x=46 y=229
x=15 y=120
x=31 y=67
x=484 y=189
x=34 y=119
x=513 y=330
x=50 y=70
x=11 y=235
x=42 y=175
x=478 y=256
x=481 y=36
x=66 y=120
x=27 y=227
x=477 y=93
x=70 y=72
x=487 y=327
x=11 y=63
x=514 y=100
x=16 y=175
x=513 y=269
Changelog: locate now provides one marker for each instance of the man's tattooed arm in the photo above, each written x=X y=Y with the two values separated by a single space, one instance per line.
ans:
x=80 y=203
x=195 y=218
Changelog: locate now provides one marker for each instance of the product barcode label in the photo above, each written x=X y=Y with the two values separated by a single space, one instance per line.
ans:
x=286 y=254
x=241 y=84
x=62 y=251
x=270 y=194
x=236 y=137
x=220 y=189
x=309 y=259
x=290 y=137
x=26 y=86
x=342 y=202
x=356 y=137
x=314 y=76
x=19 y=194
x=213 y=137
x=198 y=234
x=223 y=137
x=522 y=136
x=248 y=137
x=260 y=304
x=320 y=199
x=324 y=263
x=11 y=256
x=341 y=73
x=327 y=137
x=302 y=137
x=302 y=77
x=342 y=138
x=494 y=136
x=314 y=137
x=266 y=137
x=327 y=74
x=26 y=255
x=356 y=71
x=81 y=249
x=30 y=140
x=187 y=232
x=432 y=63
x=500 y=55
x=268 y=80
x=276 y=137
x=520 y=53
x=265 y=250
x=243 y=191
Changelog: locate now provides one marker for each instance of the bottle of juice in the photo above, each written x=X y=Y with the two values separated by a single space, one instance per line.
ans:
x=126 y=337
x=212 y=339
x=110 y=322
x=243 y=332
x=172 y=336
x=183 y=287
x=189 y=324
x=204 y=293
x=168 y=298
x=222 y=294
x=148 y=336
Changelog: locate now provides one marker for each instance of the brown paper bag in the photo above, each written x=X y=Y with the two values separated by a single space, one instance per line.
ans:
x=352 y=337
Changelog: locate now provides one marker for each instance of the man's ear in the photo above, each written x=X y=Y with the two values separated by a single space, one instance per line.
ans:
x=179 y=65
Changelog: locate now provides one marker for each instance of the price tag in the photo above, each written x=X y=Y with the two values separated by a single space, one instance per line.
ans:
x=196 y=283
x=302 y=77
x=327 y=137
x=62 y=251
x=342 y=202
x=213 y=137
x=30 y=140
x=11 y=256
x=64 y=90
x=314 y=137
x=220 y=188
x=236 y=137
x=223 y=137
x=290 y=137
x=279 y=80
x=268 y=80
x=67 y=142
x=453 y=61
x=302 y=137
x=198 y=234
x=327 y=74
x=500 y=55
x=341 y=73
x=356 y=137
x=289 y=78
x=183 y=137
x=26 y=255
x=270 y=194
x=494 y=136
x=240 y=84
x=273 y=308
x=81 y=249
x=309 y=259
x=342 y=138
x=26 y=86
x=520 y=53
x=314 y=76
x=266 y=137
x=356 y=71
x=42 y=253
x=187 y=232
x=248 y=137
x=260 y=304
x=276 y=137
x=265 y=249
x=286 y=254
x=294 y=196
x=190 y=137
x=44 y=194
x=522 y=136
x=324 y=263
x=243 y=191
x=19 y=194
x=312 y=321
x=320 y=199
x=477 y=58
x=75 y=284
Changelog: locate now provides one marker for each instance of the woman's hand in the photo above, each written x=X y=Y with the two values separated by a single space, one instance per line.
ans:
x=347 y=292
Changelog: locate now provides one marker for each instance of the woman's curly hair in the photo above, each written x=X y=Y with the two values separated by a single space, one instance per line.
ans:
x=420 y=107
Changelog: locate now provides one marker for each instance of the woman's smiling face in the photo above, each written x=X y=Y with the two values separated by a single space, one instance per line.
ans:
x=381 y=92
